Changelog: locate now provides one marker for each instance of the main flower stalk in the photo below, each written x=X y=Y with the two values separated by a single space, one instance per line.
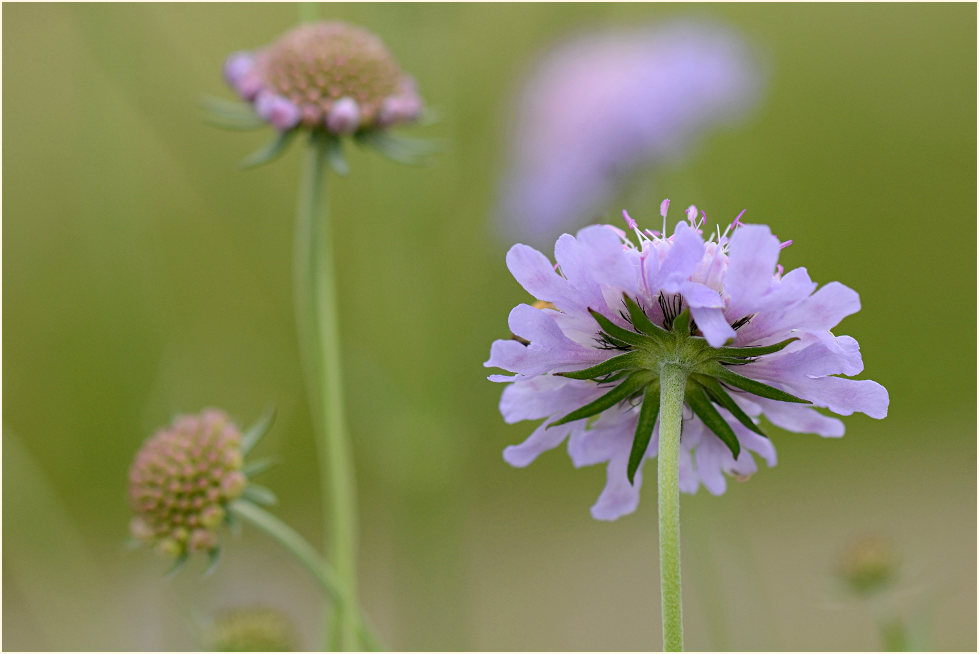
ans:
x=319 y=338
x=673 y=382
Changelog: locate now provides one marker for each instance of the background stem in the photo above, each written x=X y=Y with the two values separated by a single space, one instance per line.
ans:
x=319 y=338
x=304 y=553
x=673 y=380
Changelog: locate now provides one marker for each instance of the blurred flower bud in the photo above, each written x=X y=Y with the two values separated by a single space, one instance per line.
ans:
x=343 y=117
x=181 y=480
x=252 y=630
x=277 y=111
x=869 y=565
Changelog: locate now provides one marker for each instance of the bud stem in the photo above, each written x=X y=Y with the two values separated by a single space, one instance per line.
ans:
x=305 y=553
x=673 y=380
x=319 y=341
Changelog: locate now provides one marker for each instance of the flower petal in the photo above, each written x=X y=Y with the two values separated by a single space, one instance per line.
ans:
x=545 y=396
x=751 y=265
x=713 y=325
x=541 y=440
x=800 y=419
x=845 y=396
x=686 y=251
x=595 y=258
x=619 y=497
x=535 y=273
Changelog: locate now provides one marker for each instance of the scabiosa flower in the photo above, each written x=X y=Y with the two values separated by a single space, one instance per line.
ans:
x=752 y=340
x=183 y=478
x=600 y=106
x=326 y=75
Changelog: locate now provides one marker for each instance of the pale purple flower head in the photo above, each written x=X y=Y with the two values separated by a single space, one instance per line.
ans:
x=600 y=106
x=763 y=336
x=327 y=74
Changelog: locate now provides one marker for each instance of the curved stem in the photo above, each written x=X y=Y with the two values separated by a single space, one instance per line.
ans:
x=673 y=380
x=304 y=553
x=316 y=319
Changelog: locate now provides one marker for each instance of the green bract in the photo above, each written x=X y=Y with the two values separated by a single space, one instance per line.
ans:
x=634 y=375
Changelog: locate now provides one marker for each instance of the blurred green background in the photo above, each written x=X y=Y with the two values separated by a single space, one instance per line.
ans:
x=144 y=275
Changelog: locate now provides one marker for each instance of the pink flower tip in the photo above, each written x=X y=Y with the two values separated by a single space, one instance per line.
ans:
x=344 y=116
x=628 y=220
x=236 y=66
x=277 y=110
x=404 y=107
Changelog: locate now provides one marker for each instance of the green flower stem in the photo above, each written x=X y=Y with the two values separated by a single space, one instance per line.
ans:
x=304 y=553
x=673 y=381
x=316 y=319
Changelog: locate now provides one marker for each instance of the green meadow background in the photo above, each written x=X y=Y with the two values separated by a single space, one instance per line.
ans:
x=144 y=275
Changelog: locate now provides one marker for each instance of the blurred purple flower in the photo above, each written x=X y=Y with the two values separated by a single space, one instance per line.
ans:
x=601 y=105
x=612 y=298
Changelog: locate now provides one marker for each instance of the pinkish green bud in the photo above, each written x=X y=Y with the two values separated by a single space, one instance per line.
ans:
x=181 y=480
x=202 y=540
x=330 y=73
x=169 y=547
x=233 y=484
x=211 y=516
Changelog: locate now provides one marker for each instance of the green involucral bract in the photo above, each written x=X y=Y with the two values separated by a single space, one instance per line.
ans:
x=634 y=376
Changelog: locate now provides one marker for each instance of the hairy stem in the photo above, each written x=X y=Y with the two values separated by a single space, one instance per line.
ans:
x=673 y=380
x=319 y=337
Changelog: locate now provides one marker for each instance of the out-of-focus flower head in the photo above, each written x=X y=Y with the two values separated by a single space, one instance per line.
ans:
x=252 y=630
x=869 y=565
x=328 y=75
x=601 y=106
x=185 y=475
x=752 y=340
x=330 y=80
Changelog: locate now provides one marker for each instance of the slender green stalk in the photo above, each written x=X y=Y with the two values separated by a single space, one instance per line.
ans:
x=673 y=380
x=304 y=553
x=316 y=319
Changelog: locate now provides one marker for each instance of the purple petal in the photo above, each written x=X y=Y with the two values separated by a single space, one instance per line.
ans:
x=619 y=497
x=595 y=256
x=709 y=462
x=845 y=396
x=541 y=440
x=689 y=480
x=752 y=257
x=686 y=251
x=713 y=325
x=549 y=350
x=535 y=273
x=545 y=396
x=800 y=419
x=815 y=355
x=698 y=295
x=825 y=308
